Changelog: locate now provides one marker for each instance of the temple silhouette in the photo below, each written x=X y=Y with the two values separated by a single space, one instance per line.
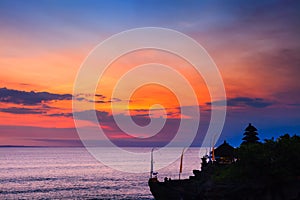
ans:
x=253 y=171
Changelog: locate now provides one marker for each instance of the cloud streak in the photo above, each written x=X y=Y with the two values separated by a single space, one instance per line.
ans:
x=16 y=110
x=30 y=98
x=244 y=102
x=101 y=99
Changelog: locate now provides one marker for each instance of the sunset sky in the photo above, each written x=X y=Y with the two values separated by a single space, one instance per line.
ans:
x=255 y=44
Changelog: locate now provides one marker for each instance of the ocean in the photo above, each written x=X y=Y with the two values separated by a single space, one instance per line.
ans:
x=72 y=173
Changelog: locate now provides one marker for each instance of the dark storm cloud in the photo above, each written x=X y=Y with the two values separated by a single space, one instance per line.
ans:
x=29 y=98
x=244 y=102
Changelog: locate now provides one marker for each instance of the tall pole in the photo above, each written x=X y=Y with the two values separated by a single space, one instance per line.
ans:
x=180 y=167
x=213 y=149
x=151 y=165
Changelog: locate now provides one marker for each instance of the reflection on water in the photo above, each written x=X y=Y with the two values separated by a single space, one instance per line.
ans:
x=73 y=173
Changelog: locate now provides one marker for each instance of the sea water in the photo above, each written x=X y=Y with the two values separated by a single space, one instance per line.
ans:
x=72 y=173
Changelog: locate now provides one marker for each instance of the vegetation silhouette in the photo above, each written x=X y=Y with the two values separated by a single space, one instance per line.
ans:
x=272 y=160
x=255 y=170
x=270 y=169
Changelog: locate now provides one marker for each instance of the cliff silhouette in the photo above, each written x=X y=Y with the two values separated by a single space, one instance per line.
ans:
x=255 y=170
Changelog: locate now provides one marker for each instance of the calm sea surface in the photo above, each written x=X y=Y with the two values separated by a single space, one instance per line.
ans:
x=72 y=173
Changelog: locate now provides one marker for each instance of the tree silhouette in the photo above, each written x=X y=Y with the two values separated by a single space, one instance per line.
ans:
x=250 y=135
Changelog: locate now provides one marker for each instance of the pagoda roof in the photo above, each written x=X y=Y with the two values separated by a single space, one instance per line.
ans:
x=250 y=128
x=224 y=149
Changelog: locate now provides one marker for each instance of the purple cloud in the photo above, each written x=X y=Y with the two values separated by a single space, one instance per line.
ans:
x=29 y=98
x=15 y=110
x=244 y=102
